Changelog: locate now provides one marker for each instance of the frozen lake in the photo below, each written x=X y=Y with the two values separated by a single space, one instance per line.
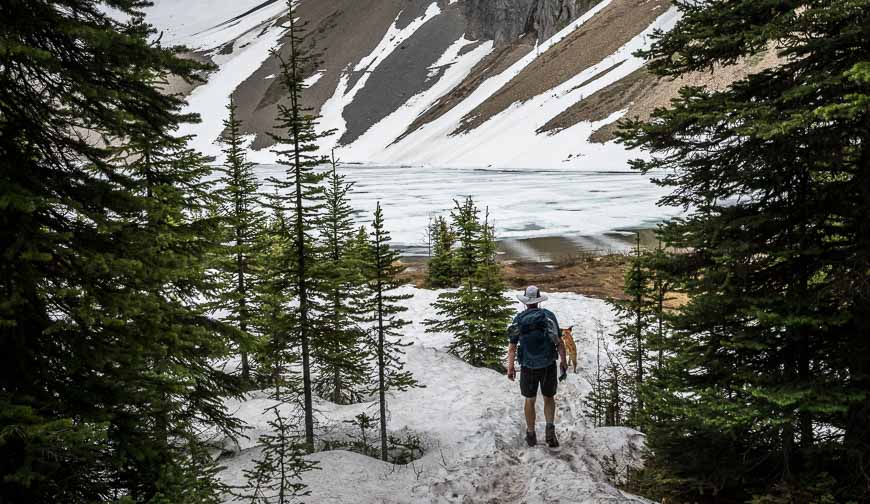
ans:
x=588 y=207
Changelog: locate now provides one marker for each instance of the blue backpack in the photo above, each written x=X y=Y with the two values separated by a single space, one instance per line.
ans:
x=538 y=334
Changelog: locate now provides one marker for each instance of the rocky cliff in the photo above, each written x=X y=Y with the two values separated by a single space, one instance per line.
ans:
x=504 y=21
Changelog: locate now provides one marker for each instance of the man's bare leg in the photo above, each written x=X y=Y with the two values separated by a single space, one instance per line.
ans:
x=530 y=414
x=549 y=409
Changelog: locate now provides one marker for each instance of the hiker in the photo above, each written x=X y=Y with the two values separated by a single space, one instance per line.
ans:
x=536 y=330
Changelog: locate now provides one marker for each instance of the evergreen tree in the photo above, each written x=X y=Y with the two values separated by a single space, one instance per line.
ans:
x=491 y=311
x=106 y=374
x=466 y=224
x=300 y=198
x=613 y=398
x=440 y=272
x=657 y=264
x=174 y=237
x=275 y=476
x=478 y=313
x=383 y=312
x=634 y=323
x=772 y=349
x=272 y=318
x=241 y=210
x=340 y=357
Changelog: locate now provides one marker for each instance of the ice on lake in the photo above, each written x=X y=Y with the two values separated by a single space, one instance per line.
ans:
x=578 y=205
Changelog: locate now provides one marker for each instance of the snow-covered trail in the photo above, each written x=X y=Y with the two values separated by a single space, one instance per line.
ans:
x=472 y=424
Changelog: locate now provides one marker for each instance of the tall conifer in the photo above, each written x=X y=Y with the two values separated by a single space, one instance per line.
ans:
x=635 y=321
x=477 y=313
x=441 y=270
x=300 y=197
x=106 y=374
x=383 y=310
x=340 y=355
x=276 y=473
x=765 y=379
x=466 y=227
x=491 y=311
x=241 y=211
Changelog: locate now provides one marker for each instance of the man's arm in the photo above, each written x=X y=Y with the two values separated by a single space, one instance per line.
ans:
x=512 y=352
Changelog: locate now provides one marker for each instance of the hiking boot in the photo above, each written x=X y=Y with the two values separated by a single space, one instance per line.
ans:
x=531 y=438
x=552 y=442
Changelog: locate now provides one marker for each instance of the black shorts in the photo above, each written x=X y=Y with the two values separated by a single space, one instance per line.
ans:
x=547 y=377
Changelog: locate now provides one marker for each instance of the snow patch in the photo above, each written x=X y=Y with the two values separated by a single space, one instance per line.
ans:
x=307 y=83
x=472 y=419
x=210 y=101
x=207 y=24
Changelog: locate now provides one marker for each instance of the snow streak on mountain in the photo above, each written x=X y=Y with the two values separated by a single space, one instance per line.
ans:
x=450 y=83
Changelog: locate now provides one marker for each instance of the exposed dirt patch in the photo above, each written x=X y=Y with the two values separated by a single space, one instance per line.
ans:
x=641 y=93
x=600 y=277
x=600 y=105
x=595 y=276
x=662 y=91
x=599 y=37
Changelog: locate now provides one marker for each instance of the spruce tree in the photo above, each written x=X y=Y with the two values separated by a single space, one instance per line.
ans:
x=491 y=311
x=106 y=377
x=176 y=236
x=276 y=474
x=478 y=312
x=241 y=211
x=634 y=324
x=383 y=311
x=657 y=264
x=339 y=358
x=300 y=197
x=440 y=272
x=772 y=349
x=271 y=319
x=466 y=225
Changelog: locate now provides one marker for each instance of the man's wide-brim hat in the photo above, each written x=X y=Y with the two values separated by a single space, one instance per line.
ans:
x=532 y=296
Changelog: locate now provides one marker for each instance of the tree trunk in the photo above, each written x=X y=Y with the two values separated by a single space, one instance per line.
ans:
x=805 y=418
x=787 y=449
x=300 y=247
x=243 y=310
x=381 y=378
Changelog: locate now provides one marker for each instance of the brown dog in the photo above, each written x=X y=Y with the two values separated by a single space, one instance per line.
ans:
x=570 y=347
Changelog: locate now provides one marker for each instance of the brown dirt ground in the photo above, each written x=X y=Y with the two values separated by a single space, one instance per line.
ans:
x=606 y=101
x=641 y=93
x=599 y=37
x=595 y=276
x=600 y=277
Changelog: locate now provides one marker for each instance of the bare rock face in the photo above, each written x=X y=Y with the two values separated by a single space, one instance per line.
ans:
x=506 y=20
x=550 y=16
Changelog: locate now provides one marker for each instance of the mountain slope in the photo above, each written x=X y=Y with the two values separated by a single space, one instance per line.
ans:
x=453 y=83
x=388 y=64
